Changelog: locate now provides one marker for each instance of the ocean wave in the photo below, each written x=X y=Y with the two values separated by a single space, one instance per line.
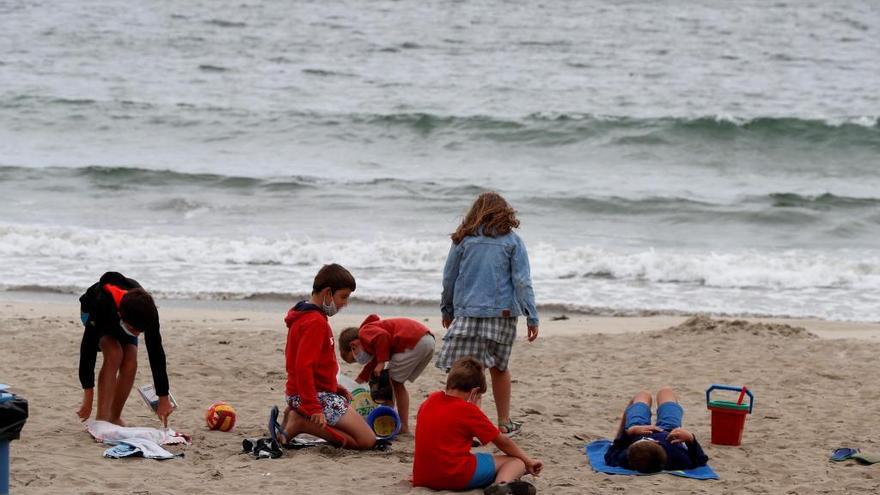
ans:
x=561 y=129
x=538 y=129
x=824 y=201
x=836 y=284
x=791 y=269
x=783 y=208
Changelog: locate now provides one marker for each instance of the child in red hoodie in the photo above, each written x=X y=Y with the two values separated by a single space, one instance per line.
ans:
x=316 y=404
x=401 y=345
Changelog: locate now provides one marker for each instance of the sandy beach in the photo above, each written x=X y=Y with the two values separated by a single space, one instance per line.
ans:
x=812 y=381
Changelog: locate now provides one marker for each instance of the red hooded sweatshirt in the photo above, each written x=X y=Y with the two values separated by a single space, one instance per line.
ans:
x=382 y=338
x=310 y=356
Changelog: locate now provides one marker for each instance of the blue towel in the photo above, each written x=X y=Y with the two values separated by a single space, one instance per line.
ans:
x=596 y=453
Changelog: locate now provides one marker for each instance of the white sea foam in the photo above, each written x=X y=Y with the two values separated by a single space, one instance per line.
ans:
x=798 y=283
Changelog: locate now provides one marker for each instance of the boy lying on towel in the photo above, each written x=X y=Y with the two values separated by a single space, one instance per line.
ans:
x=648 y=448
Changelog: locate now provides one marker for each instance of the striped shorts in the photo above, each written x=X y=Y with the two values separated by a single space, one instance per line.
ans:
x=489 y=340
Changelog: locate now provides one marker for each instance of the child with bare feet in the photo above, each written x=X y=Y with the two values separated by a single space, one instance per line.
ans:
x=115 y=311
x=316 y=403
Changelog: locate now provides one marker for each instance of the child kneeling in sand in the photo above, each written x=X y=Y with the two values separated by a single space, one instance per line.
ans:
x=316 y=404
x=448 y=421
x=648 y=448
x=401 y=345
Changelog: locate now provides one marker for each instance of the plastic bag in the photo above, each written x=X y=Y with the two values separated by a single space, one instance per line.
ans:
x=13 y=415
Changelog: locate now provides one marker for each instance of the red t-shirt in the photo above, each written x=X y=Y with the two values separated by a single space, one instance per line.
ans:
x=382 y=338
x=445 y=427
x=310 y=356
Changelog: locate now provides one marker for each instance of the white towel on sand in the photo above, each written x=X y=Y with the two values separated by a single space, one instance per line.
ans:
x=146 y=440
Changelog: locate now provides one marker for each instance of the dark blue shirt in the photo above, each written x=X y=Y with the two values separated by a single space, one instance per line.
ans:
x=678 y=455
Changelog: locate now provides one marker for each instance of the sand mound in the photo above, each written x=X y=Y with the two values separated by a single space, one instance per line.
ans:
x=702 y=325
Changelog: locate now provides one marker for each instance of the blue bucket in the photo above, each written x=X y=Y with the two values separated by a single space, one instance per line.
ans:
x=385 y=422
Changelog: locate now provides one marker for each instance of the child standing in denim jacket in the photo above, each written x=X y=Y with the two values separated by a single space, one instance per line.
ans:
x=486 y=286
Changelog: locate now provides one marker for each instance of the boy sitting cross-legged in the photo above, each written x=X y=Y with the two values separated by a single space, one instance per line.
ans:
x=447 y=423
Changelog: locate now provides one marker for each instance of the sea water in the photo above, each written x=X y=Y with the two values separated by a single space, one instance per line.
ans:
x=663 y=156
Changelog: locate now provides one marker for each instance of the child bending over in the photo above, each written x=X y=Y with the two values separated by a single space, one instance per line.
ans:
x=648 y=448
x=448 y=421
x=115 y=311
x=402 y=346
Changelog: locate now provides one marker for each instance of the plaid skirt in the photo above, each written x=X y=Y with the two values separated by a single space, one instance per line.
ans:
x=489 y=340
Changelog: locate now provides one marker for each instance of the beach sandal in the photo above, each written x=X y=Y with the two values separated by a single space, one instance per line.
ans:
x=261 y=448
x=843 y=454
x=510 y=428
x=276 y=432
x=511 y=488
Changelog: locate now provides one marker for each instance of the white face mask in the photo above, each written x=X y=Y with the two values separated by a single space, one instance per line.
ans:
x=329 y=309
x=121 y=324
x=362 y=357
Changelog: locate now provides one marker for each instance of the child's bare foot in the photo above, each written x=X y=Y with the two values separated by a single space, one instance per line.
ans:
x=118 y=422
x=404 y=431
x=294 y=425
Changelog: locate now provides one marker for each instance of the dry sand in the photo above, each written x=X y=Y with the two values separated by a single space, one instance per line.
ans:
x=812 y=394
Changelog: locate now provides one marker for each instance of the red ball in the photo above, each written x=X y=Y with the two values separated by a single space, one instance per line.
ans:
x=220 y=416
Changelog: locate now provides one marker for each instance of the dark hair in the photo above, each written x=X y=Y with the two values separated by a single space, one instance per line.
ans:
x=345 y=339
x=646 y=457
x=466 y=374
x=491 y=213
x=138 y=309
x=334 y=276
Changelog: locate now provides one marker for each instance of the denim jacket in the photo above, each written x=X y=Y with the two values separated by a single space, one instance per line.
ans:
x=488 y=277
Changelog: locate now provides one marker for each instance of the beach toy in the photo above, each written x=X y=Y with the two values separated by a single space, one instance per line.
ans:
x=13 y=415
x=385 y=422
x=361 y=400
x=728 y=417
x=380 y=388
x=220 y=416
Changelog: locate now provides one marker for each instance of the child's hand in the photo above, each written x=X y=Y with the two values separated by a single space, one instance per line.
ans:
x=318 y=419
x=679 y=435
x=533 y=333
x=85 y=409
x=378 y=369
x=640 y=430
x=534 y=466
x=164 y=409
x=447 y=322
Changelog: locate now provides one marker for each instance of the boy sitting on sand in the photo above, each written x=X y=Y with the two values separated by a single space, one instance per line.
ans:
x=402 y=346
x=448 y=421
x=648 y=448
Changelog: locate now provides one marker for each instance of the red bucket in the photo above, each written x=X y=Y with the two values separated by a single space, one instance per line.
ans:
x=728 y=418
